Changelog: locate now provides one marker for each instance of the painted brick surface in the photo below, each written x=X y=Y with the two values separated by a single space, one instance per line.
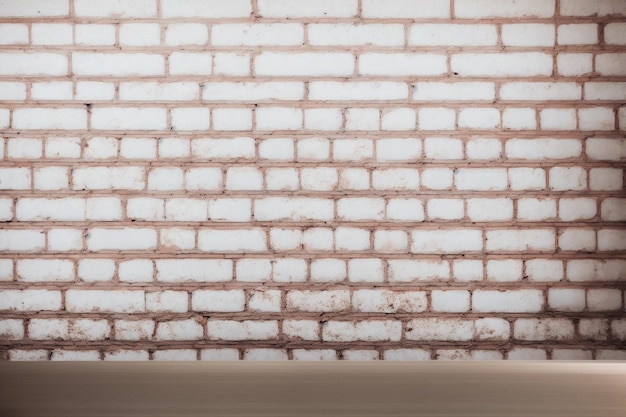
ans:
x=312 y=180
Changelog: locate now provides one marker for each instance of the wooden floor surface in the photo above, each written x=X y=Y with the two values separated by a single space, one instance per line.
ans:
x=291 y=389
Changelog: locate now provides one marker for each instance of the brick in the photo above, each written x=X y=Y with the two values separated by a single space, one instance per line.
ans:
x=436 y=118
x=227 y=148
x=578 y=34
x=492 y=329
x=538 y=149
x=318 y=301
x=140 y=34
x=108 y=301
x=605 y=149
x=328 y=270
x=593 y=329
x=528 y=34
x=505 y=270
x=520 y=240
x=22 y=240
x=133 y=330
x=211 y=9
x=466 y=270
x=178 y=34
x=252 y=91
x=357 y=90
x=567 y=178
x=405 y=149
x=391 y=241
x=452 y=35
x=318 y=239
x=508 y=301
x=179 y=330
x=613 y=209
x=401 y=270
x=511 y=64
x=445 y=209
x=55 y=90
x=365 y=270
x=121 y=239
x=245 y=240
x=136 y=270
x=94 y=34
x=420 y=9
x=30 y=300
x=308 y=8
x=479 y=118
x=395 y=179
x=49 y=119
x=402 y=64
x=489 y=209
x=322 y=119
x=153 y=91
x=127 y=355
x=615 y=33
x=236 y=64
x=480 y=179
x=219 y=354
x=572 y=209
x=596 y=118
x=507 y=8
x=175 y=355
x=354 y=179
x=604 y=299
x=571 y=64
x=600 y=8
x=65 y=240
x=279 y=118
x=11 y=329
x=130 y=118
x=386 y=301
x=352 y=149
x=519 y=119
x=32 y=64
x=352 y=239
x=294 y=209
x=242 y=330
x=186 y=209
x=443 y=148
x=190 y=63
x=566 y=299
x=398 y=119
x=362 y=119
x=357 y=34
x=38 y=209
x=12 y=91
x=217 y=301
x=439 y=329
x=103 y=208
x=527 y=178
x=406 y=355
x=253 y=270
x=543 y=329
x=544 y=270
x=558 y=119
x=457 y=91
x=232 y=119
x=236 y=34
x=373 y=330
x=194 y=270
x=454 y=301
x=93 y=270
x=301 y=329
x=117 y=64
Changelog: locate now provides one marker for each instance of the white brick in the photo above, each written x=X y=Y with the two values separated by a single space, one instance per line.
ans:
x=244 y=178
x=278 y=118
x=537 y=149
x=281 y=179
x=519 y=119
x=121 y=239
x=252 y=91
x=510 y=64
x=175 y=238
x=357 y=90
x=604 y=90
x=133 y=329
x=140 y=34
x=318 y=239
x=44 y=270
x=418 y=270
x=36 y=63
x=357 y=34
x=405 y=149
x=127 y=355
x=475 y=9
x=178 y=34
x=479 y=118
x=390 y=241
x=505 y=270
x=613 y=209
x=439 y=329
x=443 y=148
x=445 y=209
x=544 y=270
x=318 y=301
x=195 y=270
x=520 y=240
x=232 y=119
x=611 y=64
x=138 y=148
x=50 y=119
x=54 y=90
x=454 y=301
x=314 y=149
x=480 y=179
x=615 y=33
x=395 y=179
x=230 y=148
x=136 y=270
x=566 y=299
x=140 y=8
x=219 y=354
x=30 y=300
x=528 y=34
x=235 y=64
x=93 y=270
x=322 y=119
x=489 y=209
x=15 y=178
x=328 y=270
x=492 y=329
x=149 y=209
x=354 y=209
x=406 y=355
x=63 y=240
x=289 y=270
x=373 y=330
x=540 y=91
x=22 y=240
x=301 y=329
x=365 y=270
x=436 y=118
x=570 y=64
x=352 y=239
x=286 y=239
x=456 y=91
x=94 y=34
x=398 y=119
x=319 y=179
x=154 y=91
x=51 y=34
x=186 y=209
x=242 y=330
x=212 y=9
x=11 y=91
x=253 y=270
x=527 y=178
x=265 y=300
x=402 y=64
x=466 y=270
x=568 y=178
x=165 y=179
x=386 y=301
x=41 y=209
x=543 y=329
x=104 y=208
x=558 y=119
x=230 y=209
x=446 y=241
x=265 y=354
x=572 y=209
x=536 y=209
x=11 y=329
x=452 y=35
x=6 y=209
x=578 y=34
x=226 y=240
x=483 y=148
x=128 y=118
x=36 y=8
x=236 y=34
x=405 y=9
x=179 y=330
x=606 y=149
x=294 y=209
x=117 y=64
x=277 y=149
x=606 y=179
x=13 y=34
x=106 y=301
x=509 y=301
x=175 y=355
x=217 y=301
x=352 y=149
x=308 y=8
x=599 y=7
x=362 y=119
x=24 y=148
x=593 y=329
x=63 y=148
x=596 y=118
x=101 y=148
x=190 y=63
x=604 y=299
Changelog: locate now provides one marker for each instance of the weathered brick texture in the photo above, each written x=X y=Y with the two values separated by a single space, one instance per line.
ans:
x=312 y=179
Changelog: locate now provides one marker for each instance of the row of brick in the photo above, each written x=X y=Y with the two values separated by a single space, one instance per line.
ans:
x=318 y=271
x=362 y=354
x=320 y=179
x=308 y=209
x=401 y=9
x=423 y=329
x=316 y=149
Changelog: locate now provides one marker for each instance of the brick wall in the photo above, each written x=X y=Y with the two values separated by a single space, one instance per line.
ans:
x=313 y=179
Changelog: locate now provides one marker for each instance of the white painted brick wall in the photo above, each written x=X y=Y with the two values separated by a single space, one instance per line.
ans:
x=179 y=176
